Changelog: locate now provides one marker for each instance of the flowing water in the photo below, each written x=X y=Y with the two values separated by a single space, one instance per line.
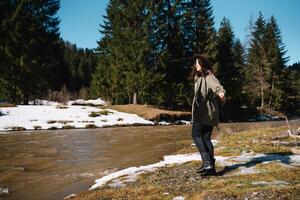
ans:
x=54 y=164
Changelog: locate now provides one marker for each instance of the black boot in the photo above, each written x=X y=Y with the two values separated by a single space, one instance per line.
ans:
x=205 y=157
x=213 y=162
x=201 y=168
x=209 y=168
x=208 y=165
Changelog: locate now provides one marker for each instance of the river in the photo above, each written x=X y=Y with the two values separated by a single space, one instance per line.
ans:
x=50 y=165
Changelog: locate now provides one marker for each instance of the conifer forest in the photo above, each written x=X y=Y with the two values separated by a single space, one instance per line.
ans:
x=145 y=54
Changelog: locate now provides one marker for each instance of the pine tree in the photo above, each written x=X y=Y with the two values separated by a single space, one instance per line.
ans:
x=205 y=40
x=198 y=37
x=240 y=66
x=277 y=61
x=291 y=87
x=258 y=68
x=30 y=47
x=122 y=52
x=266 y=60
x=229 y=67
x=166 y=39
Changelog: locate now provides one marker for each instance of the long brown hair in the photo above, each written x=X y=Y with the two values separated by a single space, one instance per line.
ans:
x=205 y=64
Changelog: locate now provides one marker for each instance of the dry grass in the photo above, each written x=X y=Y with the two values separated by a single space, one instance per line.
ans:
x=16 y=128
x=149 y=112
x=181 y=180
x=68 y=127
x=97 y=114
x=258 y=141
x=90 y=126
x=3 y=105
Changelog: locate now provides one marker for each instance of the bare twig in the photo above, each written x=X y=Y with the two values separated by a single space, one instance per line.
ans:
x=290 y=132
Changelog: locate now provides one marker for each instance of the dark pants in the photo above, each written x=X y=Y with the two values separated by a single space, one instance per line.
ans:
x=202 y=137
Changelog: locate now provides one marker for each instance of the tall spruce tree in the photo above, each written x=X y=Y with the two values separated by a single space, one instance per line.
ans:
x=229 y=66
x=239 y=56
x=30 y=46
x=122 y=54
x=291 y=89
x=106 y=80
x=205 y=34
x=5 y=9
x=198 y=36
x=258 y=68
x=266 y=60
x=166 y=40
x=277 y=61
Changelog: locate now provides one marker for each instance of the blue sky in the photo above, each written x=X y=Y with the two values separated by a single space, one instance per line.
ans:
x=80 y=20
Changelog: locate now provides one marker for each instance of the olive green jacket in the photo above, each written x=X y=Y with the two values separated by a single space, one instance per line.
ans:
x=205 y=109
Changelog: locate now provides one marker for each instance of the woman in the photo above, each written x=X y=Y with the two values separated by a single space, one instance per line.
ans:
x=205 y=112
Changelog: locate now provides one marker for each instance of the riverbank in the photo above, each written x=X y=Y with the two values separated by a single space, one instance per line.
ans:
x=58 y=116
x=84 y=114
x=254 y=164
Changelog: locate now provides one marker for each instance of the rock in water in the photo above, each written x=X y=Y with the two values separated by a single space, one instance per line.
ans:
x=4 y=190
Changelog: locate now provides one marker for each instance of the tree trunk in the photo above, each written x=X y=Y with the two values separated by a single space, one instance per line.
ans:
x=129 y=98
x=135 y=98
x=14 y=94
x=261 y=88
x=270 y=101
x=26 y=97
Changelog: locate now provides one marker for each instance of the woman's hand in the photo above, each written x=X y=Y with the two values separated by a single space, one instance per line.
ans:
x=222 y=96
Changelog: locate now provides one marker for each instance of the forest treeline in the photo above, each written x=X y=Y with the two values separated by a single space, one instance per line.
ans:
x=145 y=55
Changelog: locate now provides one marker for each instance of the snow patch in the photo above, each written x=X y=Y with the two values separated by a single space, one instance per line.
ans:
x=71 y=195
x=241 y=162
x=44 y=117
x=214 y=142
x=179 y=198
x=94 y=102
x=164 y=123
x=275 y=182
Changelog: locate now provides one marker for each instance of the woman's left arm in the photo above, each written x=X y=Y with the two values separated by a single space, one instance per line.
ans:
x=215 y=85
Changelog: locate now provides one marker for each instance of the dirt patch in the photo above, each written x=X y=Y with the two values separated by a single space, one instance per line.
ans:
x=150 y=112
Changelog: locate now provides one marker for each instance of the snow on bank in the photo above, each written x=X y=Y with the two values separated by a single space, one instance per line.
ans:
x=93 y=102
x=130 y=174
x=44 y=117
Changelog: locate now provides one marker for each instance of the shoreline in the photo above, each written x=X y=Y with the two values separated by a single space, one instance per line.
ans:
x=134 y=178
x=46 y=117
x=221 y=124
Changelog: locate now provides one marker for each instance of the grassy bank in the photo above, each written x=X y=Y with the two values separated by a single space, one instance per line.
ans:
x=4 y=105
x=274 y=179
x=150 y=112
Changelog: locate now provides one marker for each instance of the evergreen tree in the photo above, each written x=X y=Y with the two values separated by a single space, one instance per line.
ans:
x=106 y=80
x=123 y=51
x=258 y=69
x=198 y=35
x=239 y=63
x=79 y=64
x=266 y=60
x=277 y=61
x=229 y=66
x=291 y=87
x=166 y=40
x=204 y=28
x=30 y=46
